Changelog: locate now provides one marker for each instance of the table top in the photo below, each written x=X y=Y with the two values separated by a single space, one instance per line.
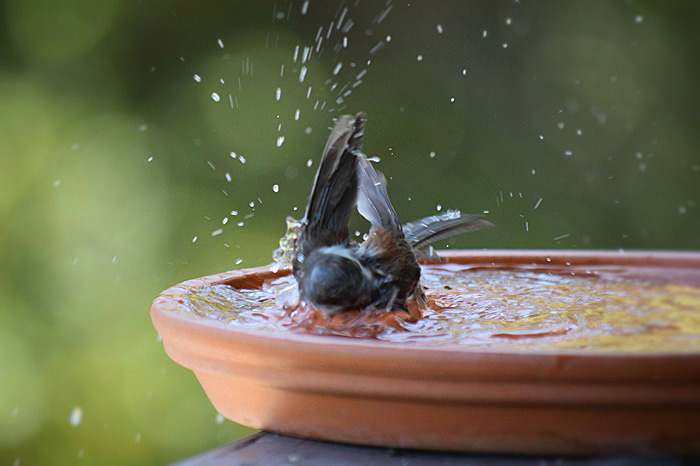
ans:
x=266 y=448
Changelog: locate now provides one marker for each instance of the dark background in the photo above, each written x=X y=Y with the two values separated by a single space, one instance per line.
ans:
x=582 y=132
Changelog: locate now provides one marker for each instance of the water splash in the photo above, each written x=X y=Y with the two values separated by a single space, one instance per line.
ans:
x=284 y=255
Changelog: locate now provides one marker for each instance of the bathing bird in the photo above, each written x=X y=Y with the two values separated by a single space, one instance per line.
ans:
x=335 y=273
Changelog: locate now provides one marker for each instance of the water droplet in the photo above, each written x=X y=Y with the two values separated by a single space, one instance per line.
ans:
x=419 y=58
x=579 y=132
x=568 y=152
x=228 y=177
x=194 y=240
x=296 y=114
x=76 y=416
x=309 y=162
x=217 y=232
x=452 y=99
x=305 y=7
x=150 y=159
x=232 y=154
x=682 y=210
x=484 y=33
x=234 y=212
x=509 y=21
x=439 y=28
x=541 y=137
x=302 y=74
x=505 y=45
x=238 y=261
x=432 y=154
x=275 y=188
x=215 y=97
x=337 y=68
x=220 y=42
x=438 y=207
x=308 y=130
x=305 y=54
x=639 y=19
x=143 y=127
x=278 y=94
x=56 y=183
x=197 y=78
x=464 y=72
x=560 y=125
x=219 y=419
x=280 y=141
x=388 y=38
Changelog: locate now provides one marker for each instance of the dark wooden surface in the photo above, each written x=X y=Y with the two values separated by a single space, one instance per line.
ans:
x=265 y=448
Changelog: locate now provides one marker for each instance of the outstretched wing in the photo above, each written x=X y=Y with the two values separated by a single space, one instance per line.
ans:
x=430 y=229
x=373 y=201
x=334 y=193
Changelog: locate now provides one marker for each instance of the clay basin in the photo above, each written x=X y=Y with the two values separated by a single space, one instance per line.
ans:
x=511 y=392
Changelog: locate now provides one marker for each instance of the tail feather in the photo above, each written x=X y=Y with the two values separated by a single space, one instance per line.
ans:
x=430 y=229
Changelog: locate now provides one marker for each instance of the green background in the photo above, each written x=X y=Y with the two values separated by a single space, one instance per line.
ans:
x=589 y=112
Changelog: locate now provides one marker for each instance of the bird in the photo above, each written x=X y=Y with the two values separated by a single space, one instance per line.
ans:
x=333 y=272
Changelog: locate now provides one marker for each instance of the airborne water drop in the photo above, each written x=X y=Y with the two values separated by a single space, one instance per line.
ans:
x=76 y=416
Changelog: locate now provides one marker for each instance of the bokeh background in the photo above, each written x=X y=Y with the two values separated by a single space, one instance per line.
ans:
x=573 y=124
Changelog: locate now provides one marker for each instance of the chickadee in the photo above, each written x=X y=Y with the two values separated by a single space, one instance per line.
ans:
x=333 y=272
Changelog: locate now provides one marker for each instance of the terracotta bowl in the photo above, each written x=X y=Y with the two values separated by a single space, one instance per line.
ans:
x=381 y=393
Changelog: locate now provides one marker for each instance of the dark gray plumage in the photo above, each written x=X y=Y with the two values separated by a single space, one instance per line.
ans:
x=336 y=274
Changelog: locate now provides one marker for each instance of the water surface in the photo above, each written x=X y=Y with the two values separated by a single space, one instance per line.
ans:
x=481 y=307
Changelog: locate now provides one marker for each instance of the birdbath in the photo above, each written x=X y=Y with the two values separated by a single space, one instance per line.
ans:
x=529 y=352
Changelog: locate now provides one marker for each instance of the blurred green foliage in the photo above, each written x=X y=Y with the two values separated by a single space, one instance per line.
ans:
x=573 y=123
